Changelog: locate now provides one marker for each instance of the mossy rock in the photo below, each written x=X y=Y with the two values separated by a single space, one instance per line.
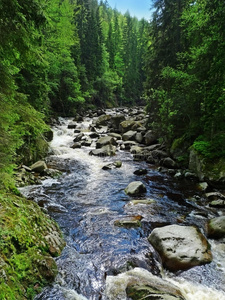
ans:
x=149 y=293
x=26 y=248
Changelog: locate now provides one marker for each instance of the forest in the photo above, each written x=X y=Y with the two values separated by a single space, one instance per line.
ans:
x=59 y=57
x=63 y=56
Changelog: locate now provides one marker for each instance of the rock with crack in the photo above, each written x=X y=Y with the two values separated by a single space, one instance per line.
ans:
x=180 y=247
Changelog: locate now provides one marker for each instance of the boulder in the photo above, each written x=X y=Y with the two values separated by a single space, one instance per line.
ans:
x=217 y=203
x=94 y=135
x=129 y=135
x=215 y=196
x=116 y=136
x=150 y=138
x=139 y=137
x=126 y=125
x=39 y=166
x=180 y=247
x=78 y=138
x=135 y=149
x=108 y=150
x=76 y=145
x=141 y=172
x=116 y=120
x=71 y=126
x=128 y=144
x=103 y=120
x=114 y=165
x=168 y=163
x=131 y=221
x=216 y=227
x=135 y=188
x=139 y=283
x=105 y=140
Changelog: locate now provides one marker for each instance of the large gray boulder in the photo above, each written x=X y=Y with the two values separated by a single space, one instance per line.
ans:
x=216 y=227
x=129 y=135
x=105 y=140
x=135 y=188
x=108 y=150
x=138 y=283
x=103 y=120
x=116 y=120
x=128 y=125
x=39 y=166
x=168 y=163
x=180 y=247
x=150 y=138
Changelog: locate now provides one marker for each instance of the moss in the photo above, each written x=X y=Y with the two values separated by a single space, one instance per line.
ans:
x=26 y=263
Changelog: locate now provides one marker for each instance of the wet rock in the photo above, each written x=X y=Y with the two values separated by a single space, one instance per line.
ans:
x=180 y=247
x=129 y=135
x=78 y=138
x=215 y=196
x=87 y=143
x=128 y=144
x=116 y=120
x=103 y=120
x=108 y=150
x=26 y=168
x=139 y=137
x=150 y=138
x=76 y=145
x=190 y=175
x=94 y=135
x=114 y=165
x=127 y=125
x=139 y=284
x=53 y=173
x=168 y=163
x=116 y=136
x=142 y=201
x=72 y=126
x=39 y=166
x=203 y=186
x=54 y=207
x=141 y=172
x=131 y=221
x=48 y=135
x=135 y=149
x=106 y=140
x=217 y=203
x=216 y=227
x=135 y=188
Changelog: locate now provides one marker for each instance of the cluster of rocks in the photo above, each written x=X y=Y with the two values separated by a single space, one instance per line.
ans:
x=35 y=173
x=179 y=247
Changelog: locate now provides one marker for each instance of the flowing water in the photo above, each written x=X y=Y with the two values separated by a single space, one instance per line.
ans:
x=91 y=200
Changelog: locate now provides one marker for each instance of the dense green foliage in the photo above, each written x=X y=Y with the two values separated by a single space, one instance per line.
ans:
x=185 y=73
x=60 y=56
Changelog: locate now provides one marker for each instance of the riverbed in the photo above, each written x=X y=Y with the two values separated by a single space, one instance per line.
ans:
x=91 y=200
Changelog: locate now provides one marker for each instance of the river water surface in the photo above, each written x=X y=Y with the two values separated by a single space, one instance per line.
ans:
x=90 y=200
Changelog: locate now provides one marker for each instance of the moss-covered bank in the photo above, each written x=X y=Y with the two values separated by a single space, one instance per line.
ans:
x=29 y=239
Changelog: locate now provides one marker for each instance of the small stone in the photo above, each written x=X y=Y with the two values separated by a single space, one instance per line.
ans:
x=216 y=227
x=141 y=172
x=135 y=188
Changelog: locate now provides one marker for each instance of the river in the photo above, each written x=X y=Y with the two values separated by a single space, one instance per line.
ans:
x=92 y=199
